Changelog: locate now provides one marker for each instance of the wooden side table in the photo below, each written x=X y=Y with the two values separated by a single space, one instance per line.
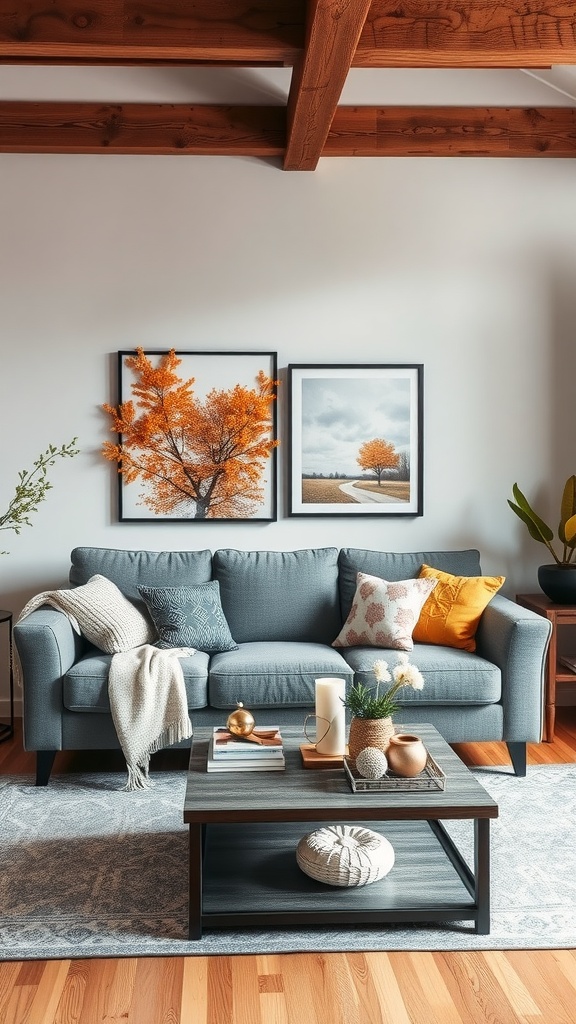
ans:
x=7 y=730
x=558 y=615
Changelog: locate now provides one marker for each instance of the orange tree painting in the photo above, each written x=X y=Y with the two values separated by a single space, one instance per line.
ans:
x=378 y=455
x=355 y=439
x=195 y=447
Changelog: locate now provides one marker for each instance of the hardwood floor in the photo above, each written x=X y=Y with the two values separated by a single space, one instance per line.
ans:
x=515 y=987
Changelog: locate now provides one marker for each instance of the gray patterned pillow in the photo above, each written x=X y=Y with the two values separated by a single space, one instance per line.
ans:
x=189 y=617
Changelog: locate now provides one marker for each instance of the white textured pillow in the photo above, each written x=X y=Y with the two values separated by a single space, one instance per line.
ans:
x=384 y=614
x=100 y=611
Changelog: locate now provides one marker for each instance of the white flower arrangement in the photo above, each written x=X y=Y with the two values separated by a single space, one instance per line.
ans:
x=367 y=702
x=405 y=674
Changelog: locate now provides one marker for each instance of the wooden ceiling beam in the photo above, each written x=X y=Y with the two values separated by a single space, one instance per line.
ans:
x=142 y=128
x=468 y=33
x=261 y=131
x=123 y=31
x=332 y=34
x=453 y=131
x=396 y=33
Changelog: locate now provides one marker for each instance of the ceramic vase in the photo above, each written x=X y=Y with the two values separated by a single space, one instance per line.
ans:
x=406 y=755
x=558 y=582
x=369 y=732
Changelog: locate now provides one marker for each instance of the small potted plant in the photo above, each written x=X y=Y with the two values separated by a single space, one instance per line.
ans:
x=371 y=724
x=556 y=579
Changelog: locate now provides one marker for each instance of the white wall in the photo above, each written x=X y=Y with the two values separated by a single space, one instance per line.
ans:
x=468 y=266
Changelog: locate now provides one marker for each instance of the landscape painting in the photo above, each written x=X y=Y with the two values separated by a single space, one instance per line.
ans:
x=355 y=440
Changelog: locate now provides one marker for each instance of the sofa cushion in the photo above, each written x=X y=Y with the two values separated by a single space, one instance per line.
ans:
x=189 y=617
x=451 y=676
x=85 y=685
x=280 y=595
x=398 y=565
x=131 y=569
x=384 y=614
x=272 y=674
x=451 y=614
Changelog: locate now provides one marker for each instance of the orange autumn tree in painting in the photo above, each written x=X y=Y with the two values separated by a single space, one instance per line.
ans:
x=378 y=455
x=200 y=459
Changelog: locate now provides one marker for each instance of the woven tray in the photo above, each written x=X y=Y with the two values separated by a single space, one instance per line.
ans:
x=431 y=777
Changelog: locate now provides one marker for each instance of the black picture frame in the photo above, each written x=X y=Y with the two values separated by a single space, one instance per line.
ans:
x=211 y=371
x=335 y=412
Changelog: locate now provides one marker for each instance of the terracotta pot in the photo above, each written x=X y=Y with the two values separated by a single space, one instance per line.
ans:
x=406 y=755
x=369 y=732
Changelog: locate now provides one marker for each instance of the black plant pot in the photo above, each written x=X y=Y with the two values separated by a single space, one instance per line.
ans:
x=558 y=583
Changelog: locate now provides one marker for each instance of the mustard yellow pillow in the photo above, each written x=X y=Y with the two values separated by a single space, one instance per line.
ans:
x=451 y=613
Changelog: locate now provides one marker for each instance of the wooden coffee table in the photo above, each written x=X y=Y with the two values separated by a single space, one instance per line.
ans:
x=245 y=827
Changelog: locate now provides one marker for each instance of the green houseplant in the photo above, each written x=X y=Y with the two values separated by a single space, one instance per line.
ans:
x=371 y=724
x=556 y=579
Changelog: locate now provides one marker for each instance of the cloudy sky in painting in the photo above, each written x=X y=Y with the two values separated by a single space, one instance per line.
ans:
x=338 y=416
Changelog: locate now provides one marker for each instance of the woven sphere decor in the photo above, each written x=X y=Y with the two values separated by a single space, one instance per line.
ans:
x=345 y=855
x=372 y=763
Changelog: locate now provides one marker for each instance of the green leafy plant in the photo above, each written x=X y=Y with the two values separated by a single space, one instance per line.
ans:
x=540 y=531
x=368 y=702
x=33 y=486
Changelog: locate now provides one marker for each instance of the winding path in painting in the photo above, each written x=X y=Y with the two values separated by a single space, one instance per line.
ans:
x=368 y=497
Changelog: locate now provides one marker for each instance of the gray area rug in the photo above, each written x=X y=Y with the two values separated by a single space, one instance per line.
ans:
x=87 y=870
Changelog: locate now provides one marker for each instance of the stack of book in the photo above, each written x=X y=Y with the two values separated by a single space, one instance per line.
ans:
x=230 y=753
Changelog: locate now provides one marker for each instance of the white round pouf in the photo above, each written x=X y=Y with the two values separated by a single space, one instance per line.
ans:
x=345 y=855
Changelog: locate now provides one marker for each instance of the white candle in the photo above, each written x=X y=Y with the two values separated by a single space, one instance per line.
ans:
x=330 y=716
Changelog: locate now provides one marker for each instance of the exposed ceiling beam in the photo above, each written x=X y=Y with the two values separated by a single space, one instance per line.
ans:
x=142 y=128
x=397 y=33
x=332 y=34
x=261 y=131
x=262 y=31
x=469 y=33
x=453 y=131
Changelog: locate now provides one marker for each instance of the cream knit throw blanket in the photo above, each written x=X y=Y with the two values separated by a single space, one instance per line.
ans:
x=148 y=705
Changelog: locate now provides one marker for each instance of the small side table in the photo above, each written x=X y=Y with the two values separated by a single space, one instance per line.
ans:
x=558 y=615
x=7 y=730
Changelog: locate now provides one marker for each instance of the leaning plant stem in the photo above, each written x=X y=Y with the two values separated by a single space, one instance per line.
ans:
x=32 y=487
x=553 y=553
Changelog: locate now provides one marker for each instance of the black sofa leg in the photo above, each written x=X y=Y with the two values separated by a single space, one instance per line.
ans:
x=44 y=762
x=517 y=753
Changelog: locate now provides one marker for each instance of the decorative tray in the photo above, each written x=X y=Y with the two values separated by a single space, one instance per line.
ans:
x=431 y=777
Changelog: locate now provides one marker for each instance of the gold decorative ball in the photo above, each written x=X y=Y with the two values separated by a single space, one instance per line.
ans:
x=240 y=722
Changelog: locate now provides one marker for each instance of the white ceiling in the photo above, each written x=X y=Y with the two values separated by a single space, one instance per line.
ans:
x=381 y=86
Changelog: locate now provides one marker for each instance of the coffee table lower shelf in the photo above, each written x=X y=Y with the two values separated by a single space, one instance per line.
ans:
x=247 y=875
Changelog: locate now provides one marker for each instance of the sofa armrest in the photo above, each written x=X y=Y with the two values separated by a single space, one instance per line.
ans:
x=47 y=647
x=516 y=639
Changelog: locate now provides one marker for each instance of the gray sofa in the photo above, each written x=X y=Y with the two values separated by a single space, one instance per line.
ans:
x=284 y=609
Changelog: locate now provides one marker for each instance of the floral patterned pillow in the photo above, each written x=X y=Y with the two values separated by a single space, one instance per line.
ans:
x=384 y=614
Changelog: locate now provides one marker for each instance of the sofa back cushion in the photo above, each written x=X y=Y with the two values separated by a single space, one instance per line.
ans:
x=279 y=595
x=132 y=569
x=398 y=565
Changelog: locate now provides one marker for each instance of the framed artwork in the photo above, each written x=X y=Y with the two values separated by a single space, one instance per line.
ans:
x=355 y=440
x=197 y=436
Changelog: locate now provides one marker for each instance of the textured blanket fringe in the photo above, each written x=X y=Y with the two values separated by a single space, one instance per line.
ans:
x=148 y=705
x=17 y=668
x=138 y=777
x=174 y=733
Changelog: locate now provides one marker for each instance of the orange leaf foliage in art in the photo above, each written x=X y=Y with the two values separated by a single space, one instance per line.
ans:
x=197 y=459
x=378 y=455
